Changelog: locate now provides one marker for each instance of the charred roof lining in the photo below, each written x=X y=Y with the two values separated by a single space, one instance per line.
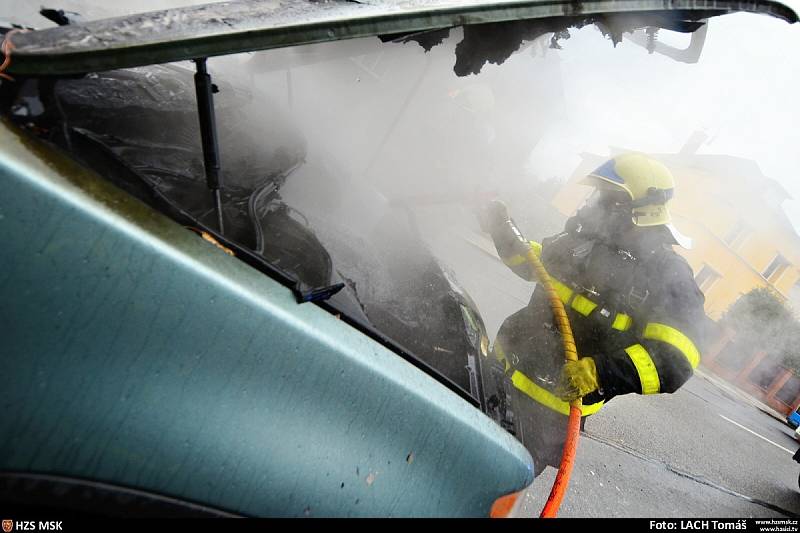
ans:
x=229 y=28
x=496 y=42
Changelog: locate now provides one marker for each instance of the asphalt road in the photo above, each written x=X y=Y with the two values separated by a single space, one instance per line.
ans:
x=701 y=452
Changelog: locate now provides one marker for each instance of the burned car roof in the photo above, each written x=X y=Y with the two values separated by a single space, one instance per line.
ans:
x=234 y=27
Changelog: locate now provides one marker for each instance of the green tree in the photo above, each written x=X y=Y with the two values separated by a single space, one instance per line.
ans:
x=763 y=322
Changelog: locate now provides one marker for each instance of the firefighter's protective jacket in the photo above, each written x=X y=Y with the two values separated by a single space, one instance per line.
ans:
x=636 y=310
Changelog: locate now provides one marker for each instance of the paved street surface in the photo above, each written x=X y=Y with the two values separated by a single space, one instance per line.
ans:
x=701 y=452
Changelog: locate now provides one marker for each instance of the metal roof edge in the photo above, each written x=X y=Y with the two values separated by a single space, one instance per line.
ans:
x=237 y=27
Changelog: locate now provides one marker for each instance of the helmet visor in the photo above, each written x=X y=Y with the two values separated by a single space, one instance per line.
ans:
x=609 y=199
x=651 y=215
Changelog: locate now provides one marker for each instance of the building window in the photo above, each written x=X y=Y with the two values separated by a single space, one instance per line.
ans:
x=794 y=298
x=706 y=278
x=790 y=391
x=735 y=235
x=765 y=374
x=775 y=268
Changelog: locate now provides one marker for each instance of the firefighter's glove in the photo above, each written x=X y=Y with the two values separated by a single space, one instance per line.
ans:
x=578 y=378
x=493 y=215
x=497 y=212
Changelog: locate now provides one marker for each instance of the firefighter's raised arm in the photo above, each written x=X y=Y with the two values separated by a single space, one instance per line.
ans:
x=511 y=245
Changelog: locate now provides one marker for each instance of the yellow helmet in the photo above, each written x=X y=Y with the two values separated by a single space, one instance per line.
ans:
x=649 y=184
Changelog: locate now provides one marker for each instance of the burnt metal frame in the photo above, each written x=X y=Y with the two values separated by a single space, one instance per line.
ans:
x=205 y=90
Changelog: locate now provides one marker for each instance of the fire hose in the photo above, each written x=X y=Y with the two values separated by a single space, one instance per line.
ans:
x=561 y=482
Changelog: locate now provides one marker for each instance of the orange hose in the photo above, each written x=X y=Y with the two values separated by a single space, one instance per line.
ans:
x=6 y=49
x=574 y=423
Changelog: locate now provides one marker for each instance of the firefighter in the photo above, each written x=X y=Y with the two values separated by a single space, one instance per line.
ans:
x=634 y=307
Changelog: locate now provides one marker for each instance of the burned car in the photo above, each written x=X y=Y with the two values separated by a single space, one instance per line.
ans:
x=226 y=299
